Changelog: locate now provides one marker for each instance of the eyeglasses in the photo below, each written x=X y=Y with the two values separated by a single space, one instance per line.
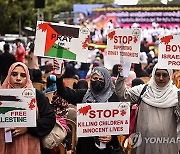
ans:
x=14 y=74
x=96 y=78
x=164 y=75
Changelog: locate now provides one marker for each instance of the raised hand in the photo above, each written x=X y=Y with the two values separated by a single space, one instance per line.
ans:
x=55 y=64
x=56 y=67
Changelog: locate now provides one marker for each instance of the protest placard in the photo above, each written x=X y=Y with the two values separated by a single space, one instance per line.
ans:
x=124 y=45
x=97 y=119
x=62 y=41
x=17 y=108
x=169 y=52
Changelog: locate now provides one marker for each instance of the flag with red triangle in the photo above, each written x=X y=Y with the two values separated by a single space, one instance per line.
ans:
x=62 y=41
x=18 y=107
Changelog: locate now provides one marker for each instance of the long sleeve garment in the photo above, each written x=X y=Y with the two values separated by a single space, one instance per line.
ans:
x=71 y=95
x=86 y=145
x=155 y=127
x=46 y=116
x=29 y=142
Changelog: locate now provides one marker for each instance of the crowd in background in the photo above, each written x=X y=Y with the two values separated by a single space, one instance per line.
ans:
x=43 y=72
x=81 y=74
x=24 y=52
x=151 y=32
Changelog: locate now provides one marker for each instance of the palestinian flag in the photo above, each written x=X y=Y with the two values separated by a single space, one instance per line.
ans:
x=4 y=110
x=61 y=41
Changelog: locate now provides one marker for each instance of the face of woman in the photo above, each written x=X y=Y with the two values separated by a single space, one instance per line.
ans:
x=18 y=77
x=161 y=77
x=97 y=83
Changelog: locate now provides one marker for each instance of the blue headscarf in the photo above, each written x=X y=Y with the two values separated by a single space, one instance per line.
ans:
x=51 y=84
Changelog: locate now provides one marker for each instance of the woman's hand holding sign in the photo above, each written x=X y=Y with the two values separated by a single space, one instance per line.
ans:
x=56 y=66
x=105 y=139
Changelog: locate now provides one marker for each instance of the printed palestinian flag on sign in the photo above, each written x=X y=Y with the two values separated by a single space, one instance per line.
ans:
x=18 y=107
x=61 y=41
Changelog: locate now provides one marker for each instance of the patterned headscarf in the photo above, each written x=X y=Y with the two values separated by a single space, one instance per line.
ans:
x=6 y=84
x=91 y=96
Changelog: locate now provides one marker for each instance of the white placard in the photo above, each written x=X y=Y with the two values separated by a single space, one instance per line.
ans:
x=124 y=45
x=110 y=63
x=62 y=41
x=126 y=66
x=17 y=108
x=169 y=52
x=97 y=119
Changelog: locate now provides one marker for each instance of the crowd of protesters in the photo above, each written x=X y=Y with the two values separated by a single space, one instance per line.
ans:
x=94 y=83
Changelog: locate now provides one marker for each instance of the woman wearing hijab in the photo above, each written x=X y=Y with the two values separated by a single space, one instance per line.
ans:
x=26 y=140
x=101 y=90
x=156 y=126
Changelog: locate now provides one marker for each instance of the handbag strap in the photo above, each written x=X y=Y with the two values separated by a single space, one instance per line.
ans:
x=142 y=92
x=139 y=101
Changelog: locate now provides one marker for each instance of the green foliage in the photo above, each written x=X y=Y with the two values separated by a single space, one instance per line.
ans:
x=149 y=2
x=13 y=11
x=157 y=2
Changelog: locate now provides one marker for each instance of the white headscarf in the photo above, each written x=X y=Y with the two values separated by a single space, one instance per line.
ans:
x=162 y=97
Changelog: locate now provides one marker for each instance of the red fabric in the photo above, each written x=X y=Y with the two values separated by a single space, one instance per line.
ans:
x=62 y=121
x=20 y=54
x=133 y=116
x=55 y=151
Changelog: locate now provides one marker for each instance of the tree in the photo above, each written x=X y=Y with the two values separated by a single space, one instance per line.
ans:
x=13 y=12
x=158 y=2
